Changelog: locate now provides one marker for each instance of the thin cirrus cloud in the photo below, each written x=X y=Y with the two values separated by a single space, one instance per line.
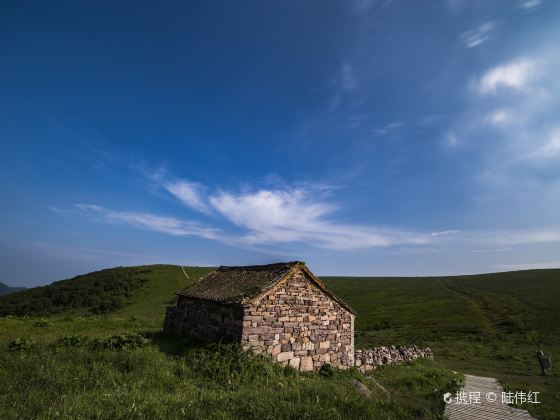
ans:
x=270 y=217
x=479 y=35
x=550 y=149
x=189 y=193
x=284 y=217
x=147 y=221
x=290 y=216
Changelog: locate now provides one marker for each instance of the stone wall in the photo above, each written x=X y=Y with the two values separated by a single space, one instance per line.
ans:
x=298 y=324
x=367 y=360
x=204 y=320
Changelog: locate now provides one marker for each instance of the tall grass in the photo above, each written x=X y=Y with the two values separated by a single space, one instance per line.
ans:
x=219 y=381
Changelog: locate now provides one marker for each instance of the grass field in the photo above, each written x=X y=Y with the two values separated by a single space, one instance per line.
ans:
x=483 y=325
x=475 y=324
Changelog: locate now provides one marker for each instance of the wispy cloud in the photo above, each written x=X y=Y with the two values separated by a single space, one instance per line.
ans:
x=284 y=216
x=429 y=120
x=530 y=5
x=156 y=223
x=272 y=217
x=550 y=149
x=189 y=193
x=389 y=128
x=477 y=36
x=487 y=251
x=499 y=117
x=62 y=210
x=520 y=237
x=445 y=232
x=515 y=75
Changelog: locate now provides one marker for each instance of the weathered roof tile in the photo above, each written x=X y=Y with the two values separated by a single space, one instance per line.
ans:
x=240 y=285
x=237 y=284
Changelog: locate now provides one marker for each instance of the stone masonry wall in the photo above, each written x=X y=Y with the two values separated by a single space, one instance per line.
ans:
x=204 y=320
x=367 y=360
x=298 y=324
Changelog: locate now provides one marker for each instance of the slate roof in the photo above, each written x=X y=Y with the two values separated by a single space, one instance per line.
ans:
x=240 y=285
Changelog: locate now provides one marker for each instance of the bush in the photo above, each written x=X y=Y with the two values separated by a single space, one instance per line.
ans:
x=22 y=344
x=121 y=341
x=326 y=370
x=72 y=341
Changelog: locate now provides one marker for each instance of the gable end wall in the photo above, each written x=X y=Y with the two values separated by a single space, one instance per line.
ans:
x=298 y=324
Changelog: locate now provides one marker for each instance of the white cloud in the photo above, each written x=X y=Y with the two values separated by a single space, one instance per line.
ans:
x=477 y=36
x=148 y=221
x=550 y=149
x=530 y=5
x=523 y=237
x=499 y=117
x=445 y=232
x=189 y=193
x=515 y=75
x=484 y=251
x=284 y=216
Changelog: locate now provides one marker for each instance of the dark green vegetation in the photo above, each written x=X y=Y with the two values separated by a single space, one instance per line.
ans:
x=5 y=289
x=484 y=325
x=98 y=292
x=116 y=364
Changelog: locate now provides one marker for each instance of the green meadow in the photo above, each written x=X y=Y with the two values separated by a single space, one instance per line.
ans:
x=92 y=347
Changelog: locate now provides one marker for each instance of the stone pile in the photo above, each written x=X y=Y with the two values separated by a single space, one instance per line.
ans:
x=367 y=360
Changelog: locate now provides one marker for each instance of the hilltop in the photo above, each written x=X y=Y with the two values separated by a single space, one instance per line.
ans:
x=5 y=289
x=144 y=290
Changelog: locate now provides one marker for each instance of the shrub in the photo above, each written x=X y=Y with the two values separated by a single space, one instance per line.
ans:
x=72 y=341
x=121 y=341
x=326 y=370
x=22 y=344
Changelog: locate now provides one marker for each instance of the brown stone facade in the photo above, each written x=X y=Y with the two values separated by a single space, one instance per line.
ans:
x=298 y=324
x=294 y=323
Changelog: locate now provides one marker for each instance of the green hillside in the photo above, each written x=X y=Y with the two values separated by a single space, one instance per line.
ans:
x=141 y=291
x=5 y=289
x=483 y=324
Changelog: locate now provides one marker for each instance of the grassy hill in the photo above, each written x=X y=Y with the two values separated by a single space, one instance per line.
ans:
x=5 y=289
x=482 y=324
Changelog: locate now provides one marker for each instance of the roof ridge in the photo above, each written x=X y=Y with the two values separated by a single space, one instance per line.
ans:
x=259 y=267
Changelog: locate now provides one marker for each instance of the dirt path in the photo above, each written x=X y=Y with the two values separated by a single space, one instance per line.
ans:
x=482 y=409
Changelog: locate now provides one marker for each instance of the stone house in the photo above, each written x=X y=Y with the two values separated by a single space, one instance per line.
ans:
x=279 y=310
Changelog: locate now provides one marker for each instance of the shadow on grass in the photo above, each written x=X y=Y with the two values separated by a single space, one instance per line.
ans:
x=177 y=345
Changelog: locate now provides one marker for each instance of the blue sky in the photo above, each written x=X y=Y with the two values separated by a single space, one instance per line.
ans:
x=364 y=137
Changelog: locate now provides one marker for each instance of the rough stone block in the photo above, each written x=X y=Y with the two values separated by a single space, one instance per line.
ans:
x=287 y=355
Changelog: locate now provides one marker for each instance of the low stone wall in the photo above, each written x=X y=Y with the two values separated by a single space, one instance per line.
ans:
x=367 y=360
